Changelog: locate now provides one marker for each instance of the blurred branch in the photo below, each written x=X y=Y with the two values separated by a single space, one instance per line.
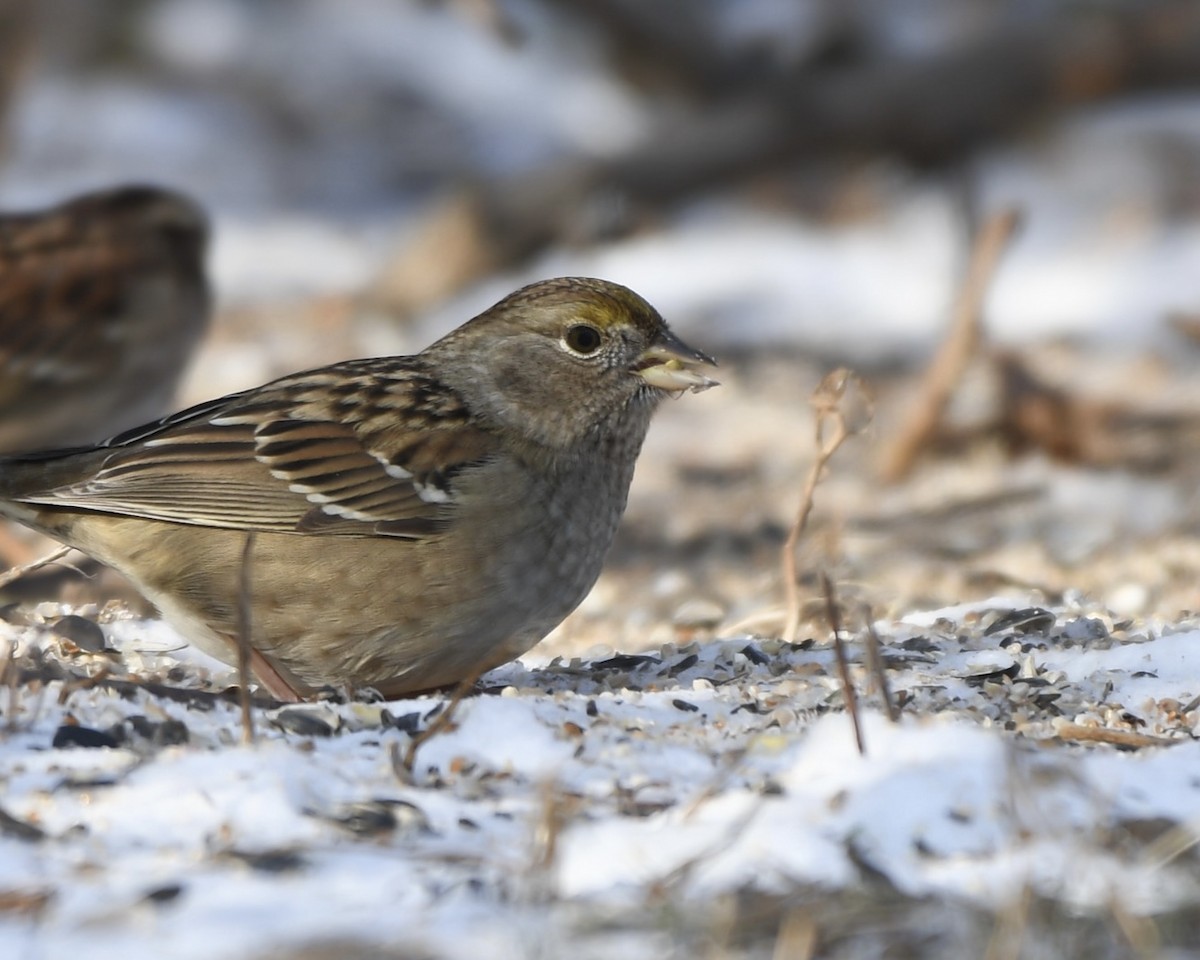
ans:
x=849 y=694
x=843 y=407
x=930 y=110
x=16 y=52
x=962 y=341
x=719 y=118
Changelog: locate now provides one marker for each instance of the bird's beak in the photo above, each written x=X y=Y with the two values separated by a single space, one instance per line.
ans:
x=670 y=364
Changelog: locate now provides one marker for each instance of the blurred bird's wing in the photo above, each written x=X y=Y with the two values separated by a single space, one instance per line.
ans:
x=67 y=274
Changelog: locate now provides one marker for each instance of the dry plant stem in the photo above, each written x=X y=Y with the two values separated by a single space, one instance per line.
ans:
x=556 y=811
x=245 y=647
x=1077 y=732
x=196 y=699
x=1008 y=935
x=8 y=676
x=16 y=573
x=839 y=649
x=675 y=878
x=70 y=687
x=797 y=938
x=729 y=764
x=441 y=721
x=962 y=340
x=28 y=904
x=1141 y=933
x=1171 y=845
x=828 y=413
x=877 y=667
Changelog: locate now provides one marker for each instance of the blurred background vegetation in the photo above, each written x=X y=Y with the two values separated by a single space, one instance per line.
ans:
x=421 y=146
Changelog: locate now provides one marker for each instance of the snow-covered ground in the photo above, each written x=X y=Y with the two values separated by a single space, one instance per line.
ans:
x=598 y=785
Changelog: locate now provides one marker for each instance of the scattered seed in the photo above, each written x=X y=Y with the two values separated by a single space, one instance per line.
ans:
x=270 y=861
x=85 y=634
x=74 y=736
x=302 y=721
x=685 y=664
x=754 y=655
x=164 y=894
x=11 y=826
x=625 y=661
x=1025 y=620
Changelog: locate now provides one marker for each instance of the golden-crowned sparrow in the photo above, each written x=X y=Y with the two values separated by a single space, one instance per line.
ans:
x=102 y=301
x=415 y=519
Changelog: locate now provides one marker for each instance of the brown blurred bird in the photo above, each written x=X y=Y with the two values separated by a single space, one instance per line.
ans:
x=102 y=301
x=415 y=520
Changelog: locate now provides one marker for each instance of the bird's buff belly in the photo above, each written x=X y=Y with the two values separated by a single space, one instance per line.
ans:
x=403 y=617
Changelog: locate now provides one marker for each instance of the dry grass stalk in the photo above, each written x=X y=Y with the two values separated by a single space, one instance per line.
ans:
x=839 y=648
x=729 y=764
x=1079 y=733
x=8 y=679
x=797 y=938
x=441 y=722
x=1171 y=845
x=679 y=875
x=961 y=342
x=877 y=667
x=69 y=687
x=843 y=407
x=27 y=904
x=557 y=809
x=1141 y=933
x=245 y=647
x=1008 y=934
x=16 y=573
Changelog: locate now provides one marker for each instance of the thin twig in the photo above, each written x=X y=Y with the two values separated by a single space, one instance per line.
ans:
x=198 y=699
x=798 y=936
x=440 y=722
x=9 y=678
x=832 y=428
x=245 y=647
x=556 y=810
x=1010 y=928
x=70 y=686
x=16 y=573
x=877 y=667
x=961 y=342
x=727 y=766
x=843 y=662
x=1079 y=733
x=1170 y=845
x=1141 y=933
x=733 y=831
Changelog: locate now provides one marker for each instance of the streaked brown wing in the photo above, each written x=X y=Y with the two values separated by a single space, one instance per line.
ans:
x=306 y=454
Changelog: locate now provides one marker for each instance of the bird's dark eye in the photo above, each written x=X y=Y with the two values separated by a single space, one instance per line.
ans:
x=583 y=338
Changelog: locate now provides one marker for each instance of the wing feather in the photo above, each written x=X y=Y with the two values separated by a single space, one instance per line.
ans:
x=285 y=458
